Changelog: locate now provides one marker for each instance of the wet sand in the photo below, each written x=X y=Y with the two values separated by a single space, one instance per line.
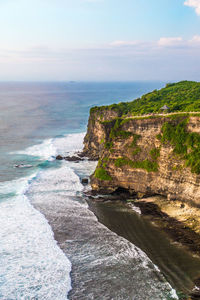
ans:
x=104 y=265
x=180 y=267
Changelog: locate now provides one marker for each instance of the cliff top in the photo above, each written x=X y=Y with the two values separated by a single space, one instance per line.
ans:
x=183 y=96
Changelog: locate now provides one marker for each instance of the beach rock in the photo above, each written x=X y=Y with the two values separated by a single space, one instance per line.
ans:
x=84 y=181
x=73 y=158
x=22 y=166
x=80 y=154
x=92 y=159
x=59 y=157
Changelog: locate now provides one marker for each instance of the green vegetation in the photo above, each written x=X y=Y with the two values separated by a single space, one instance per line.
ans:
x=182 y=96
x=177 y=168
x=136 y=151
x=186 y=144
x=108 y=145
x=116 y=130
x=120 y=133
x=155 y=153
x=159 y=136
x=149 y=166
x=120 y=162
x=135 y=139
x=102 y=174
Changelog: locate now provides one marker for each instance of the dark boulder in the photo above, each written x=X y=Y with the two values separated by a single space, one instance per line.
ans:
x=73 y=158
x=59 y=157
x=84 y=181
x=81 y=154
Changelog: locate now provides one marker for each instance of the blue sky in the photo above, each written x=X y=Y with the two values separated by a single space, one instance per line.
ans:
x=99 y=40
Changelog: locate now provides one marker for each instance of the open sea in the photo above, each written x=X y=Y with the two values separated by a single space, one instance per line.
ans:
x=52 y=246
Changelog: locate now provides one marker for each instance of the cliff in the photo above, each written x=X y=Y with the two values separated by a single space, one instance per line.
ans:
x=149 y=155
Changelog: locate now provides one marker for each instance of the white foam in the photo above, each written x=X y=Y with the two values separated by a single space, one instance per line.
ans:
x=18 y=186
x=62 y=179
x=45 y=150
x=135 y=208
x=173 y=294
x=51 y=147
x=31 y=263
x=69 y=144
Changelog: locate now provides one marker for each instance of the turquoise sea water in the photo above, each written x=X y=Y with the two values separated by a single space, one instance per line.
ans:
x=37 y=122
x=33 y=112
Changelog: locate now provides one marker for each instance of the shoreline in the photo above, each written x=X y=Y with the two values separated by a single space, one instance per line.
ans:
x=179 y=220
x=98 y=255
x=180 y=236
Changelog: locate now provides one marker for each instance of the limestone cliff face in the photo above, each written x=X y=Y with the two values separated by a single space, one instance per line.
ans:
x=132 y=156
x=96 y=133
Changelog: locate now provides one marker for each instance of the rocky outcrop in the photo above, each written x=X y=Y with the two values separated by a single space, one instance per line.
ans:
x=96 y=133
x=69 y=158
x=134 y=154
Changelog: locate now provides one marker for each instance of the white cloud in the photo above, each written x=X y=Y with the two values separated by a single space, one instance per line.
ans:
x=195 y=39
x=124 y=60
x=123 y=43
x=195 y=4
x=170 y=41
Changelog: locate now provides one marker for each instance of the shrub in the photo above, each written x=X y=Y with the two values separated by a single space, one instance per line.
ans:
x=135 y=139
x=102 y=174
x=136 y=151
x=155 y=153
x=108 y=145
x=146 y=164
x=181 y=96
x=186 y=144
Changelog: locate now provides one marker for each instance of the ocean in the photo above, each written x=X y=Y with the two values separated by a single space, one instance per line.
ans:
x=52 y=245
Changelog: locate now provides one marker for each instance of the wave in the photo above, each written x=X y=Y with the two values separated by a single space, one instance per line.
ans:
x=31 y=262
x=16 y=187
x=96 y=252
x=50 y=148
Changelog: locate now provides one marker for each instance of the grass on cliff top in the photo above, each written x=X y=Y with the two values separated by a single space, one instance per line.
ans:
x=183 y=96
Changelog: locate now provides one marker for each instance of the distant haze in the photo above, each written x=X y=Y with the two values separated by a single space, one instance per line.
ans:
x=99 y=40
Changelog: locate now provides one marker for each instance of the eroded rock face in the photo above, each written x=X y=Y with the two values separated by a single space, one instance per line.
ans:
x=134 y=158
x=96 y=133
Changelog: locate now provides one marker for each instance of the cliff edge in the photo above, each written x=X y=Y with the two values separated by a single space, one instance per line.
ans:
x=157 y=154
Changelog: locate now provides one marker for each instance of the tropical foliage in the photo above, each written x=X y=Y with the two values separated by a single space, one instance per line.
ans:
x=182 y=96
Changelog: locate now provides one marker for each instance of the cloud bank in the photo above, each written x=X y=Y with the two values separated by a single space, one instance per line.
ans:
x=168 y=59
x=195 y=4
x=170 y=41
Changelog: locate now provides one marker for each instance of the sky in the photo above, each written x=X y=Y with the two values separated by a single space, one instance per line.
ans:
x=99 y=40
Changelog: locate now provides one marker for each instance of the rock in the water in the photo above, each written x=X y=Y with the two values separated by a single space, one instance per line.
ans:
x=84 y=181
x=73 y=158
x=81 y=154
x=22 y=166
x=59 y=157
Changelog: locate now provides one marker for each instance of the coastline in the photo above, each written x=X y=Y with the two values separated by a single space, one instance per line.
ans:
x=179 y=220
x=103 y=263
x=150 y=231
